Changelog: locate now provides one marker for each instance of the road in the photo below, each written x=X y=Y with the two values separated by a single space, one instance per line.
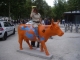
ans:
x=66 y=47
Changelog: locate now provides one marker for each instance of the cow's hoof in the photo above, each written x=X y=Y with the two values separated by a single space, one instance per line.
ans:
x=42 y=50
x=47 y=54
x=21 y=48
x=31 y=48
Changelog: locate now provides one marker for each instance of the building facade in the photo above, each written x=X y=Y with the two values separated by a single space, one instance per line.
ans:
x=72 y=17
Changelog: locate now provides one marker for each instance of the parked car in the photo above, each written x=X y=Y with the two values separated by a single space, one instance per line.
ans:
x=6 y=29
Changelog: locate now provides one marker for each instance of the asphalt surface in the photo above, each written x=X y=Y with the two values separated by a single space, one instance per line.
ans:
x=66 y=47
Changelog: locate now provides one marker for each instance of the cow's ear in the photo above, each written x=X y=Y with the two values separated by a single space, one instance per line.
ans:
x=58 y=21
x=51 y=27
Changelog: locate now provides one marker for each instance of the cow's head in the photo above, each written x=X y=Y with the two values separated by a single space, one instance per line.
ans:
x=55 y=29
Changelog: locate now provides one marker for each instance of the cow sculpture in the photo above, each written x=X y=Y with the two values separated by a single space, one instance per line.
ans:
x=27 y=32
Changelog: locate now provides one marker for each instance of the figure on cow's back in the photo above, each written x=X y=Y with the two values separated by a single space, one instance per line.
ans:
x=27 y=32
x=36 y=19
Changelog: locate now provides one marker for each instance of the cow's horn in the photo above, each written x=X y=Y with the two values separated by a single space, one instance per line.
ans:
x=58 y=21
x=52 y=21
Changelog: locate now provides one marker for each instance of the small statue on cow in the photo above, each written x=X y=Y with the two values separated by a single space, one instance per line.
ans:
x=36 y=18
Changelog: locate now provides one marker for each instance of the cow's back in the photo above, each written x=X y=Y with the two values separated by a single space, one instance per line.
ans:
x=20 y=31
x=26 y=31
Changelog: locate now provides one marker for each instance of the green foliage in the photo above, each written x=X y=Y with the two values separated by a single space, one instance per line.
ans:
x=20 y=9
x=58 y=9
x=74 y=5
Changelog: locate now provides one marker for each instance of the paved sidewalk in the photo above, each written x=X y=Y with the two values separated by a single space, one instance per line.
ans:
x=66 y=47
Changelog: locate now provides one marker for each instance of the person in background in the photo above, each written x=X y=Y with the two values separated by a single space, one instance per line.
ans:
x=36 y=18
x=42 y=22
x=63 y=22
x=48 y=22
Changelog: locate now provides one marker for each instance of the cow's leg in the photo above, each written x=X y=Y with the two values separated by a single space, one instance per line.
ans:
x=33 y=43
x=20 y=42
x=27 y=41
x=45 y=48
x=42 y=48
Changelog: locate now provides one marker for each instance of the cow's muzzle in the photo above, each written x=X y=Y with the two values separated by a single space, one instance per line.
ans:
x=61 y=33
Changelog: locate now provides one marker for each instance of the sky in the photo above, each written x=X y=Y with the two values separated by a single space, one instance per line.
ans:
x=50 y=2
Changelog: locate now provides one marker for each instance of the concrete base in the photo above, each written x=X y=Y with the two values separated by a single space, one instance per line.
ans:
x=35 y=52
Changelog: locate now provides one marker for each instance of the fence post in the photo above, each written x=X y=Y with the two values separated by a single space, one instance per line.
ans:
x=71 y=28
x=77 y=28
x=66 y=27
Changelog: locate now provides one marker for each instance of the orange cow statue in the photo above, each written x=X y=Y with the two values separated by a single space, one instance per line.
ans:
x=27 y=32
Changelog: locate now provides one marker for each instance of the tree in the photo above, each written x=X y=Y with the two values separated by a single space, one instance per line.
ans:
x=73 y=5
x=58 y=9
x=14 y=6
